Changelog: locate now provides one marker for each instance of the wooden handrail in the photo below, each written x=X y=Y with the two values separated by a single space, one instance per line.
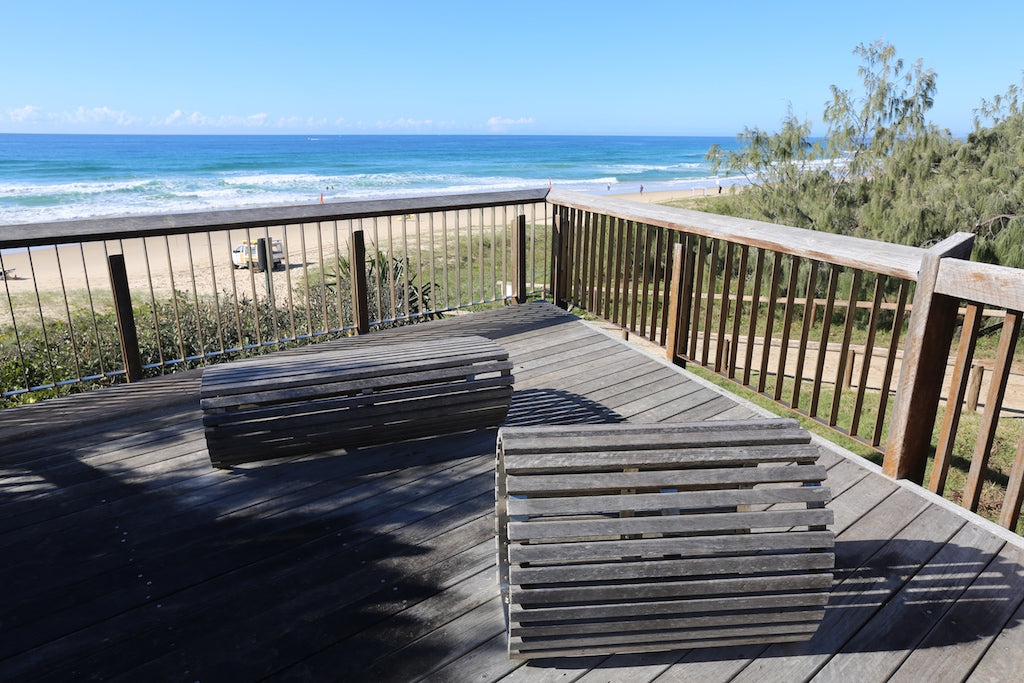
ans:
x=126 y=227
x=855 y=252
x=982 y=282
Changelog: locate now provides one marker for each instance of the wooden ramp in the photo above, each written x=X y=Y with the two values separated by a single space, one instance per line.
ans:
x=127 y=557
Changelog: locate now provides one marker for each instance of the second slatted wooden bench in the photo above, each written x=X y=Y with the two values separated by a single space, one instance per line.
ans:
x=642 y=537
x=353 y=395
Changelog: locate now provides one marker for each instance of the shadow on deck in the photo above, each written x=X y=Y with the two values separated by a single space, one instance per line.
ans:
x=128 y=556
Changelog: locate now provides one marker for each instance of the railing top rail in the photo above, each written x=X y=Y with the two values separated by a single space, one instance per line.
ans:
x=125 y=227
x=880 y=257
x=981 y=282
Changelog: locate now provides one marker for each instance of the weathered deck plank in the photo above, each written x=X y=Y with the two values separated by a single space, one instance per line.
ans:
x=127 y=556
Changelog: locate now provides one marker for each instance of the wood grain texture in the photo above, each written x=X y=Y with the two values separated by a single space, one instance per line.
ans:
x=863 y=254
x=637 y=538
x=354 y=396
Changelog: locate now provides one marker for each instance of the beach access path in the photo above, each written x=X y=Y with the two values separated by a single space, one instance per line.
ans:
x=128 y=557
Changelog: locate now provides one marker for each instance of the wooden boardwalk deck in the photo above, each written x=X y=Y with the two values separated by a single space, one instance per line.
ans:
x=127 y=557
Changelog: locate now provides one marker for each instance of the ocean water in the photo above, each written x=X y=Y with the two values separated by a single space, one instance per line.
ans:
x=60 y=177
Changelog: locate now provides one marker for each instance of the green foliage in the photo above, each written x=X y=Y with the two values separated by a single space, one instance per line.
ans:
x=883 y=172
x=181 y=332
x=393 y=296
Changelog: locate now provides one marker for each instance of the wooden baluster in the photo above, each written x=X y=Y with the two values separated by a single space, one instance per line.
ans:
x=958 y=386
x=993 y=404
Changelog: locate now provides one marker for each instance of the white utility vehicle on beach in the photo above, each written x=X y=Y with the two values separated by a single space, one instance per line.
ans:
x=247 y=255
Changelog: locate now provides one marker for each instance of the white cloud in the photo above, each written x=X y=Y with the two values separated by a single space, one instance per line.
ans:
x=83 y=115
x=499 y=123
x=197 y=119
x=404 y=123
x=24 y=114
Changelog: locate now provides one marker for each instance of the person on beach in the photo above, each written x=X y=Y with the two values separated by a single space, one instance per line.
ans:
x=641 y=189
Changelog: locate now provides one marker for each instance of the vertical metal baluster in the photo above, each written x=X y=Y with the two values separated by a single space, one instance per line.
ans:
x=391 y=274
x=216 y=296
x=152 y=302
x=235 y=304
x=42 y=318
x=174 y=299
x=67 y=310
x=201 y=351
x=325 y=325
x=92 y=306
x=14 y=325
x=444 y=262
x=337 y=273
x=458 y=264
x=433 y=267
x=494 y=247
x=410 y=276
x=305 y=283
x=252 y=285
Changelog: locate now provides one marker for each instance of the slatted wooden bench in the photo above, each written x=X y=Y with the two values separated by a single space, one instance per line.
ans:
x=645 y=537
x=358 y=395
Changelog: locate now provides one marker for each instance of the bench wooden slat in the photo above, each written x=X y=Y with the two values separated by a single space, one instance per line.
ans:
x=717 y=586
x=669 y=641
x=352 y=363
x=679 y=624
x=633 y=538
x=749 y=603
x=348 y=386
x=662 y=547
x=650 y=569
x=640 y=502
x=494 y=389
x=534 y=463
x=721 y=477
x=578 y=444
x=666 y=524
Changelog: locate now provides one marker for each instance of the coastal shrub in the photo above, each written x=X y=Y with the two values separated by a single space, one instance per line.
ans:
x=394 y=297
x=882 y=171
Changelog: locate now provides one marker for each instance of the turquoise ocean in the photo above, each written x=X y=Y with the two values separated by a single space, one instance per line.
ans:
x=60 y=177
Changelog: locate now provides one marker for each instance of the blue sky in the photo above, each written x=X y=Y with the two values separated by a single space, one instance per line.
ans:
x=594 y=67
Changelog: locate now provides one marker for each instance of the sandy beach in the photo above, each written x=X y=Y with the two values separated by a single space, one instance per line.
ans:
x=173 y=263
x=162 y=265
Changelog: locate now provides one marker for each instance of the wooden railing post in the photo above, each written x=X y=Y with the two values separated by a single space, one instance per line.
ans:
x=560 y=257
x=675 y=296
x=929 y=335
x=519 y=249
x=357 y=267
x=679 y=300
x=125 y=318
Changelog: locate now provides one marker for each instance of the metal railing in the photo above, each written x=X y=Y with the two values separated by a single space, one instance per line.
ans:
x=79 y=289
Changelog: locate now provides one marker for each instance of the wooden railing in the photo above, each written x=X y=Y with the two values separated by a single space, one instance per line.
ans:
x=852 y=333
x=98 y=300
x=787 y=313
